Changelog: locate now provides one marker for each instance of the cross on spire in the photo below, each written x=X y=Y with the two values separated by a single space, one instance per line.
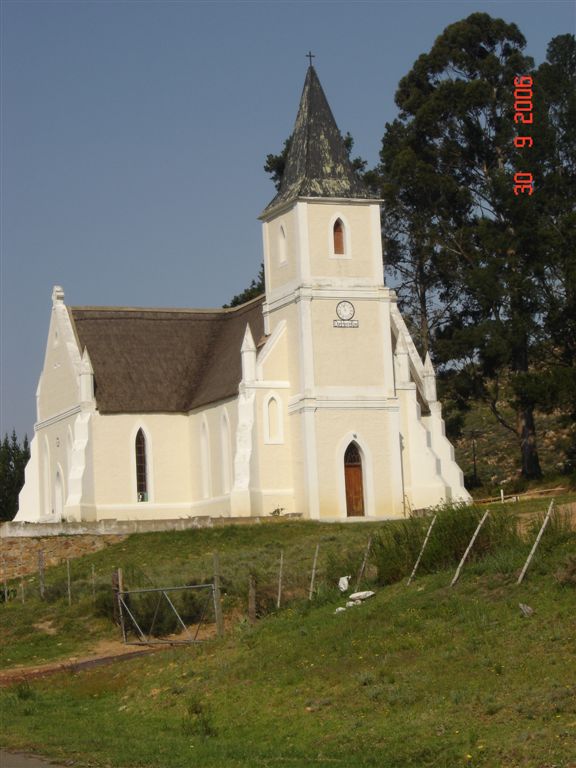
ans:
x=310 y=56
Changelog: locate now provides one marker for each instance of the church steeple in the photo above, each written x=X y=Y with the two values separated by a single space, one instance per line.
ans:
x=317 y=164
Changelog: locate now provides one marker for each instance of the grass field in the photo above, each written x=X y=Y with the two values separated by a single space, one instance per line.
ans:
x=422 y=676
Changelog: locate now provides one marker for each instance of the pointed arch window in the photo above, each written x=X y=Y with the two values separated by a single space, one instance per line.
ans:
x=273 y=421
x=352 y=455
x=141 y=467
x=338 y=236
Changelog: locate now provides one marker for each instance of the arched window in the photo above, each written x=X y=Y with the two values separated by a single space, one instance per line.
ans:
x=353 y=481
x=338 y=233
x=141 y=467
x=273 y=424
x=282 y=256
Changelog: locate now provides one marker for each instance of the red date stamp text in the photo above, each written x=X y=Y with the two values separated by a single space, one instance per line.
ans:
x=523 y=115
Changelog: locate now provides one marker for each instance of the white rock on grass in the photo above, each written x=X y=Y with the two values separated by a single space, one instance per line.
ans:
x=359 y=596
x=344 y=583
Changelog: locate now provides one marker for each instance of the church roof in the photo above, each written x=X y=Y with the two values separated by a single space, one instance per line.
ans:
x=317 y=164
x=164 y=360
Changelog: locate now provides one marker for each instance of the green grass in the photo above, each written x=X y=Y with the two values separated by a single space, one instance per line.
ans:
x=425 y=676
x=172 y=559
x=419 y=676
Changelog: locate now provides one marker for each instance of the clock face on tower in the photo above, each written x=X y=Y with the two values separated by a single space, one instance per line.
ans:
x=345 y=310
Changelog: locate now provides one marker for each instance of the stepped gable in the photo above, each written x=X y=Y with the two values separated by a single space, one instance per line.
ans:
x=317 y=164
x=164 y=360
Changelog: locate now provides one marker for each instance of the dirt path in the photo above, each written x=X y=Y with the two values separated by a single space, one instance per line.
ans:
x=19 y=760
x=106 y=652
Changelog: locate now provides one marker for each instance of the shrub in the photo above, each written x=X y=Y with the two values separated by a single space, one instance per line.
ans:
x=104 y=603
x=398 y=546
x=56 y=591
x=342 y=564
x=395 y=550
x=198 y=719
x=566 y=574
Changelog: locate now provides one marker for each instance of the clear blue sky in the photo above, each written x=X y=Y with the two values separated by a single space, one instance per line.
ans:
x=133 y=136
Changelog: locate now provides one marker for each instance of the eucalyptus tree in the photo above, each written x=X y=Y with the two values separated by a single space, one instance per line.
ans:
x=464 y=244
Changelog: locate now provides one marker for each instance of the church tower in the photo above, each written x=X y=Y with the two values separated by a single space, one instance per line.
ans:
x=358 y=404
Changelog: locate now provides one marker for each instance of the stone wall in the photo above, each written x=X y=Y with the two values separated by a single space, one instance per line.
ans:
x=21 y=542
x=19 y=556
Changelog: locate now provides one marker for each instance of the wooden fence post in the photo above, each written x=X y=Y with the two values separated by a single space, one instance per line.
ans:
x=41 y=573
x=117 y=589
x=311 y=592
x=417 y=563
x=252 y=599
x=465 y=555
x=120 y=578
x=280 y=574
x=217 y=597
x=531 y=555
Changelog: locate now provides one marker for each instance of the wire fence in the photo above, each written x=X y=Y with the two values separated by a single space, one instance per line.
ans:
x=175 y=599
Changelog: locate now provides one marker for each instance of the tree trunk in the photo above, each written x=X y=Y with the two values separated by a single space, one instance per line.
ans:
x=529 y=451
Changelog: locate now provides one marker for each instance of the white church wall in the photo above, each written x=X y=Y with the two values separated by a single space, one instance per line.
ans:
x=280 y=237
x=442 y=447
x=272 y=466
x=218 y=424
x=58 y=389
x=424 y=485
x=362 y=257
x=58 y=405
x=347 y=357
x=80 y=501
x=168 y=461
x=54 y=458
x=381 y=471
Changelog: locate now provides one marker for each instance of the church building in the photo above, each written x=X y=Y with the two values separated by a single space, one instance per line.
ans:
x=311 y=399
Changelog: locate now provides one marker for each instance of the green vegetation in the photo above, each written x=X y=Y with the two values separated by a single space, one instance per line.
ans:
x=425 y=675
x=503 y=537
x=476 y=431
x=38 y=631
x=13 y=459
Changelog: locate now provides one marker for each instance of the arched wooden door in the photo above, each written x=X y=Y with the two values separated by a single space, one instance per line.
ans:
x=353 y=480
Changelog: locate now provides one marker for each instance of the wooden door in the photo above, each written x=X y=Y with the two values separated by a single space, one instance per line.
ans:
x=353 y=480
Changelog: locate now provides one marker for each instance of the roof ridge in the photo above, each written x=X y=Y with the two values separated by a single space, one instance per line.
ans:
x=172 y=310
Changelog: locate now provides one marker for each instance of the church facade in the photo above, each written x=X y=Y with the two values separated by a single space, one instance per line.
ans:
x=311 y=399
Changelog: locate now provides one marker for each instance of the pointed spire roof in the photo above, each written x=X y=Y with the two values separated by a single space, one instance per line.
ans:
x=317 y=164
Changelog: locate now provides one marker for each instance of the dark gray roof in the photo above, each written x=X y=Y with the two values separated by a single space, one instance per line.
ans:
x=317 y=164
x=165 y=360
